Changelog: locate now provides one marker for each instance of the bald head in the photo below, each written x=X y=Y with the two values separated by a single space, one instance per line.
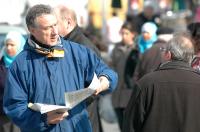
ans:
x=65 y=11
x=66 y=19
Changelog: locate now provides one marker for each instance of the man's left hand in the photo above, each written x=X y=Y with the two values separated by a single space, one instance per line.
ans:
x=104 y=85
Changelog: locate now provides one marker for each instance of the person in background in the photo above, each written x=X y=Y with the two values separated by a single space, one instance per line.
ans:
x=91 y=27
x=131 y=62
x=147 y=15
x=119 y=56
x=113 y=26
x=151 y=58
x=69 y=29
x=197 y=15
x=167 y=100
x=194 y=29
x=13 y=45
x=48 y=67
x=147 y=37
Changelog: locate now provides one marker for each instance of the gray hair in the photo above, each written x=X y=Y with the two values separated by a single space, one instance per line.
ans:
x=36 y=11
x=181 y=47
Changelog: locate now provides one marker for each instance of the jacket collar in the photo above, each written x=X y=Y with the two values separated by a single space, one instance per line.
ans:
x=1 y=61
x=176 y=65
x=73 y=33
x=49 y=51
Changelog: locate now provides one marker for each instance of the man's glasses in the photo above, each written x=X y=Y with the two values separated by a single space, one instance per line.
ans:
x=163 y=49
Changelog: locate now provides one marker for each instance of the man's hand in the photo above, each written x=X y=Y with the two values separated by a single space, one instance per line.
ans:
x=104 y=85
x=53 y=117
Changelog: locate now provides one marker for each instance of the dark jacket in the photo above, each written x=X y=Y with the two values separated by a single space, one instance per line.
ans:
x=150 y=60
x=130 y=67
x=76 y=35
x=166 y=100
x=3 y=73
x=5 y=123
x=121 y=95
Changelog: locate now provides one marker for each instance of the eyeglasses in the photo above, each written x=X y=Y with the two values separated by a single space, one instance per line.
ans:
x=163 y=49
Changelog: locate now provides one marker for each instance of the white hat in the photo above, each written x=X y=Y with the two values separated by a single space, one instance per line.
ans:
x=149 y=27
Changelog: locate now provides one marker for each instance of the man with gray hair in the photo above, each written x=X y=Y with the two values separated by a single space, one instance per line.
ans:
x=45 y=70
x=167 y=100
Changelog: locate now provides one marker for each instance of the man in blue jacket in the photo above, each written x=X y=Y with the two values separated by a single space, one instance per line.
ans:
x=47 y=68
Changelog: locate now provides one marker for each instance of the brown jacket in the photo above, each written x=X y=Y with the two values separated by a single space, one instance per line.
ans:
x=150 y=60
x=166 y=100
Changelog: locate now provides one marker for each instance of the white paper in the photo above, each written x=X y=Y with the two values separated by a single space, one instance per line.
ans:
x=71 y=99
x=95 y=83
x=44 y=108
x=75 y=97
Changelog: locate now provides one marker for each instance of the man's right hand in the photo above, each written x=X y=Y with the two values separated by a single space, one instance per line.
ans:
x=53 y=117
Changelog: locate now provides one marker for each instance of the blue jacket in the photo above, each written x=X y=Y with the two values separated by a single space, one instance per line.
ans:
x=34 y=78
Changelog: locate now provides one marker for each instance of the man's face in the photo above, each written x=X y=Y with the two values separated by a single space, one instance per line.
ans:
x=165 y=54
x=46 y=31
x=62 y=26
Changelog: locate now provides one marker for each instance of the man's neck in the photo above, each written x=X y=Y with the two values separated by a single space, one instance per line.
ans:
x=39 y=43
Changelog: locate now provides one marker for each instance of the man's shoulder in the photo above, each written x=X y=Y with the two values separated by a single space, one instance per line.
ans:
x=75 y=48
x=150 y=76
x=167 y=73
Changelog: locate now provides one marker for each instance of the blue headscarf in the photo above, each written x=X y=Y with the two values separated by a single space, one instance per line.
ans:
x=19 y=39
x=151 y=28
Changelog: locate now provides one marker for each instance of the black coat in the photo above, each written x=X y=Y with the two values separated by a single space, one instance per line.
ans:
x=77 y=36
x=166 y=100
x=3 y=73
x=120 y=54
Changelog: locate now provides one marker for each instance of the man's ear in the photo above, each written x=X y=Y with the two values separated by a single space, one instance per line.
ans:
x=67 y=20
x=31 y=30
x=168 y=55
x=70 y=24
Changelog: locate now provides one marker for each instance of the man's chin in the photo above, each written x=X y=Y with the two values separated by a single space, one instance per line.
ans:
x=52 y=43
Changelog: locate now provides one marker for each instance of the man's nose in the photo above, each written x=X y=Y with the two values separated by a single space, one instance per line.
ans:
x=55 y=30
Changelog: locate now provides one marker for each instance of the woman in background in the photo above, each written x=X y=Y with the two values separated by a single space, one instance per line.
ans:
x=13 y=45
x=147 y=37
x=121 y=51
